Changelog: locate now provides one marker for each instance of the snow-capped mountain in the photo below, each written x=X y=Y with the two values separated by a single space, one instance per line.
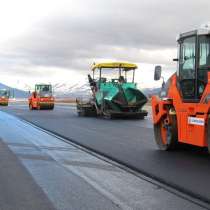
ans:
x=63 y=90
x=76 y=90
x=83 y=91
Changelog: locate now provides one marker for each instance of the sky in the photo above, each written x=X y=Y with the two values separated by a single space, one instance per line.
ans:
x=56 y=41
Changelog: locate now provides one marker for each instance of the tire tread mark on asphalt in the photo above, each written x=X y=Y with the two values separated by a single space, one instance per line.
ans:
x=18 y=188
x=90 y=165
x=193 y=196
x=172 y=188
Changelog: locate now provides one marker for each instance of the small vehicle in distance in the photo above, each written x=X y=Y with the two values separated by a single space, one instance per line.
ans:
x=42 y=97
x=4 y=97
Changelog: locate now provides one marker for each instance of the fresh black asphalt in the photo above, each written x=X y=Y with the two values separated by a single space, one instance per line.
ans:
x=18 y=189
x=128 y=141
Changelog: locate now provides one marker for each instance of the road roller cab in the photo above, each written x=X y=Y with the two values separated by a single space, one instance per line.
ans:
x=115 y=93
x=42 y=97
x=4 y=97
x=181 y=112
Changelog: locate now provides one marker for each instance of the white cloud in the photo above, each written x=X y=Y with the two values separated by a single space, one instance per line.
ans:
x=53 y=40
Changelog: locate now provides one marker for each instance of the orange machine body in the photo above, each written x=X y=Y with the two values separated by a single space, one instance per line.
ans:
x=4 y=101
x=39 y=102
x=192 y=118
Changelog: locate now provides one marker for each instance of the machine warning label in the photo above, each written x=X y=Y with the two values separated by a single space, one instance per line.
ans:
x=196 y=121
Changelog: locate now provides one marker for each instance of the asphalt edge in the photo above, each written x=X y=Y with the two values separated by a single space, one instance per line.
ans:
x=174 y=189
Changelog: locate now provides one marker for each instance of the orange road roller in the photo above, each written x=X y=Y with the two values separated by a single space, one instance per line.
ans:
x=42 y=97
x=181 y=112
x=4 y=97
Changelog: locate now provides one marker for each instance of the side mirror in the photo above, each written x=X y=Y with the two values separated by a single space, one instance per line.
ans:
x=157 y=75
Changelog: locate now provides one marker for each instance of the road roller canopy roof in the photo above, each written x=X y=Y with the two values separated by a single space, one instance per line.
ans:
x=204 y=29
x=40 y=84
x=122 y=65
x=43 y=87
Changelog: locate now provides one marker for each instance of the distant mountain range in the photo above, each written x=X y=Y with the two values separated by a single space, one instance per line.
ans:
x=66 y=91
x=14 y=92
x=83 y=91
x=151 y=91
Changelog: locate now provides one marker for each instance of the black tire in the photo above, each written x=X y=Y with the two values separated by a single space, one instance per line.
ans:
x=107 y=115
x=51 y=107
x=30 y=107
x=208 y=135
x=81 y=112
x=87 y=111
x=105 y=111
x=139 y=117
x=171 y=135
